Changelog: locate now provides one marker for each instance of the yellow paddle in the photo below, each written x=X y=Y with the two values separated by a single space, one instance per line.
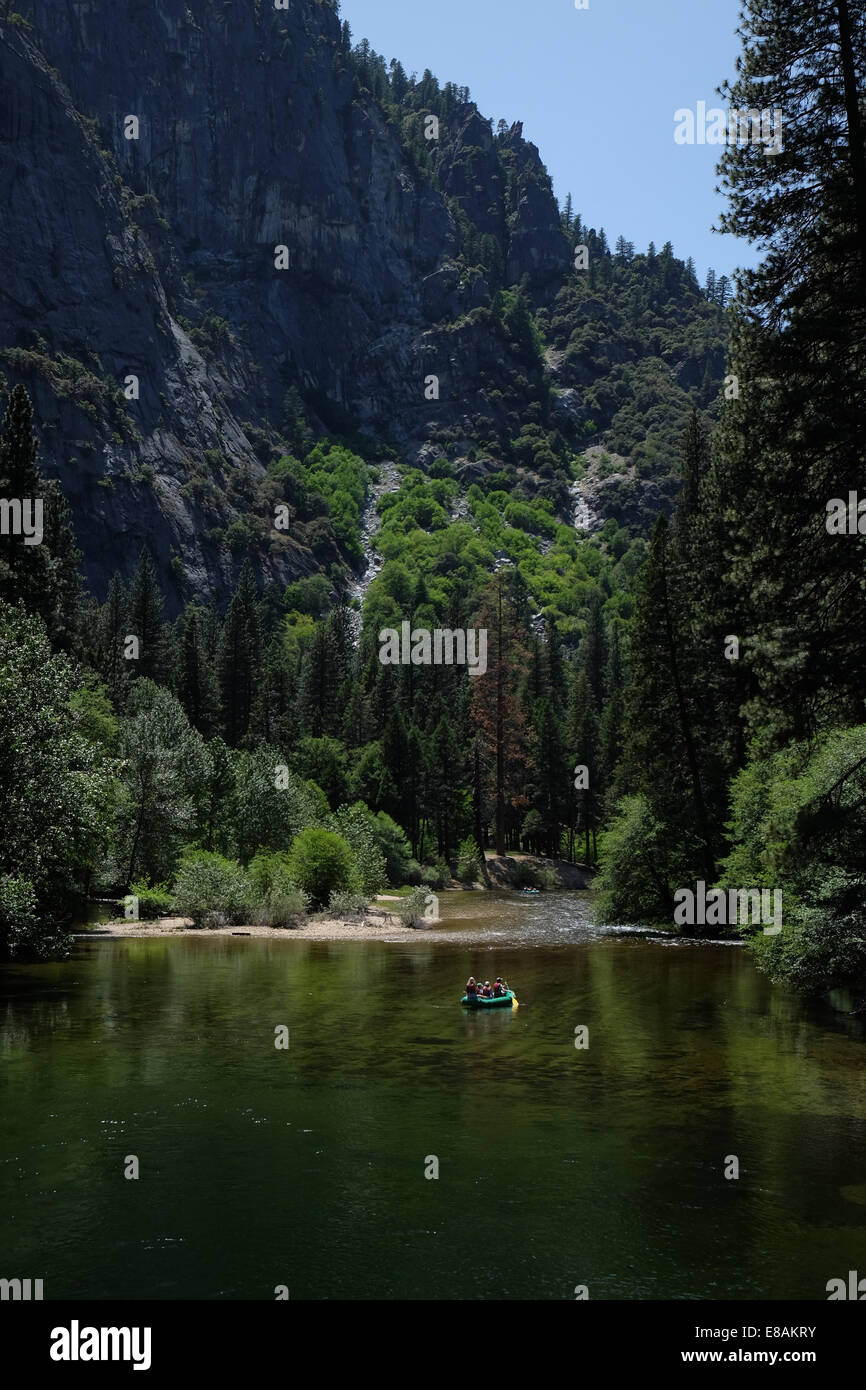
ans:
x=514 y=1002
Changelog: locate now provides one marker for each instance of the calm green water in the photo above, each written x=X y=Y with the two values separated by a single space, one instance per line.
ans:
x=557 y=1167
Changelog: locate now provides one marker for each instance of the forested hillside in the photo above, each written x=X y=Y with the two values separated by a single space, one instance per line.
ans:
x=285 y=417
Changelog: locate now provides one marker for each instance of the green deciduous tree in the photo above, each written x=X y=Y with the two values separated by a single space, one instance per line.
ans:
x=164 y=768
x=56 y=789
x=321 y=863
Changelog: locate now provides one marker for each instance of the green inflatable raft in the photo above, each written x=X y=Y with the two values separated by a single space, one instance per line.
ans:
x=474 y=1002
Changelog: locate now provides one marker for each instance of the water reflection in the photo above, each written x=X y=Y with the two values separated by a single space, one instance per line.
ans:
x=305 y=1167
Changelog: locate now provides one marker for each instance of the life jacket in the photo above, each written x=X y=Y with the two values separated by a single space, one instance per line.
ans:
x=471 y=989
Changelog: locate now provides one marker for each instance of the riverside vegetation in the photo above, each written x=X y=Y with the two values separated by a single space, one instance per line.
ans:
x=251 y=756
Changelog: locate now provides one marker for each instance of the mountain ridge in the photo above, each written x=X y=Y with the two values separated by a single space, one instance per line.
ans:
x=260 y=129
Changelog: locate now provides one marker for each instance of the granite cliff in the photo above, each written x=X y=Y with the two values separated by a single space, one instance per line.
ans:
x=211 y=199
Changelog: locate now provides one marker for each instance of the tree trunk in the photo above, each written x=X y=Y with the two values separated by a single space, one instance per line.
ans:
x=476 y=808
x=500 y=733
x=686 y=728
x=135 y=839
x=855 y=128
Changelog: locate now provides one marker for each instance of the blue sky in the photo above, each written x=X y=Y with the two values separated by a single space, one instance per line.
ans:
x=596 y=90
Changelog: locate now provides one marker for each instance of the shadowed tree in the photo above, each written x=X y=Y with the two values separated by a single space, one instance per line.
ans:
x=238 y=659
x=195 y=678
x=41 y=570
x=144 y=618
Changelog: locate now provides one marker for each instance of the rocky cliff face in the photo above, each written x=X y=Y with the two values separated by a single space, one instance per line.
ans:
x=156 y=257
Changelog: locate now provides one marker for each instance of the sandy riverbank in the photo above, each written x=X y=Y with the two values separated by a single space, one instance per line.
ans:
x=378 y=924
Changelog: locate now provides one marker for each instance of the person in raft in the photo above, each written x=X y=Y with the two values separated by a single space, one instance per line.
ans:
x=486 y=991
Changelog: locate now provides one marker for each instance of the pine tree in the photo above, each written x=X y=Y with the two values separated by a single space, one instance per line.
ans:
x=808 y=201
x=296 y=428
x=584 y=744
x=109 y=641
x=195 y=678
x=402 y=754
x=445 y=783
x=593 y=653
x=356 y=720
x=663 y=753
x=694 y=465
x=723 y=291
x=612 y=726
x=341 y=627
x=274 y=720
x=550 y=766
x=238 y=659
x=319 y=683
x=792 y=442
x=399 y=80
x=144 y=621
x=43 y=576
x=19 y=475
x=555 y=686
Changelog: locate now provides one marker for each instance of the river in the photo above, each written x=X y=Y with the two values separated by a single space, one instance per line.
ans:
x=305 y=1167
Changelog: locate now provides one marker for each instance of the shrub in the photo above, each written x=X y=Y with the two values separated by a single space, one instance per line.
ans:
x=321 y=863
x=153 y=901
x=468 y=862
x=279 y=901
x=821 y=947
x=548 y=879
x=347 y=904
x=523 y=875
x=411 y=910
x=264 y=870
x=285 y=903
x=212 y=890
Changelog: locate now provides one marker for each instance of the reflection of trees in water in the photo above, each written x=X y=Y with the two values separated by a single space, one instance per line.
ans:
x=24 y=1020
